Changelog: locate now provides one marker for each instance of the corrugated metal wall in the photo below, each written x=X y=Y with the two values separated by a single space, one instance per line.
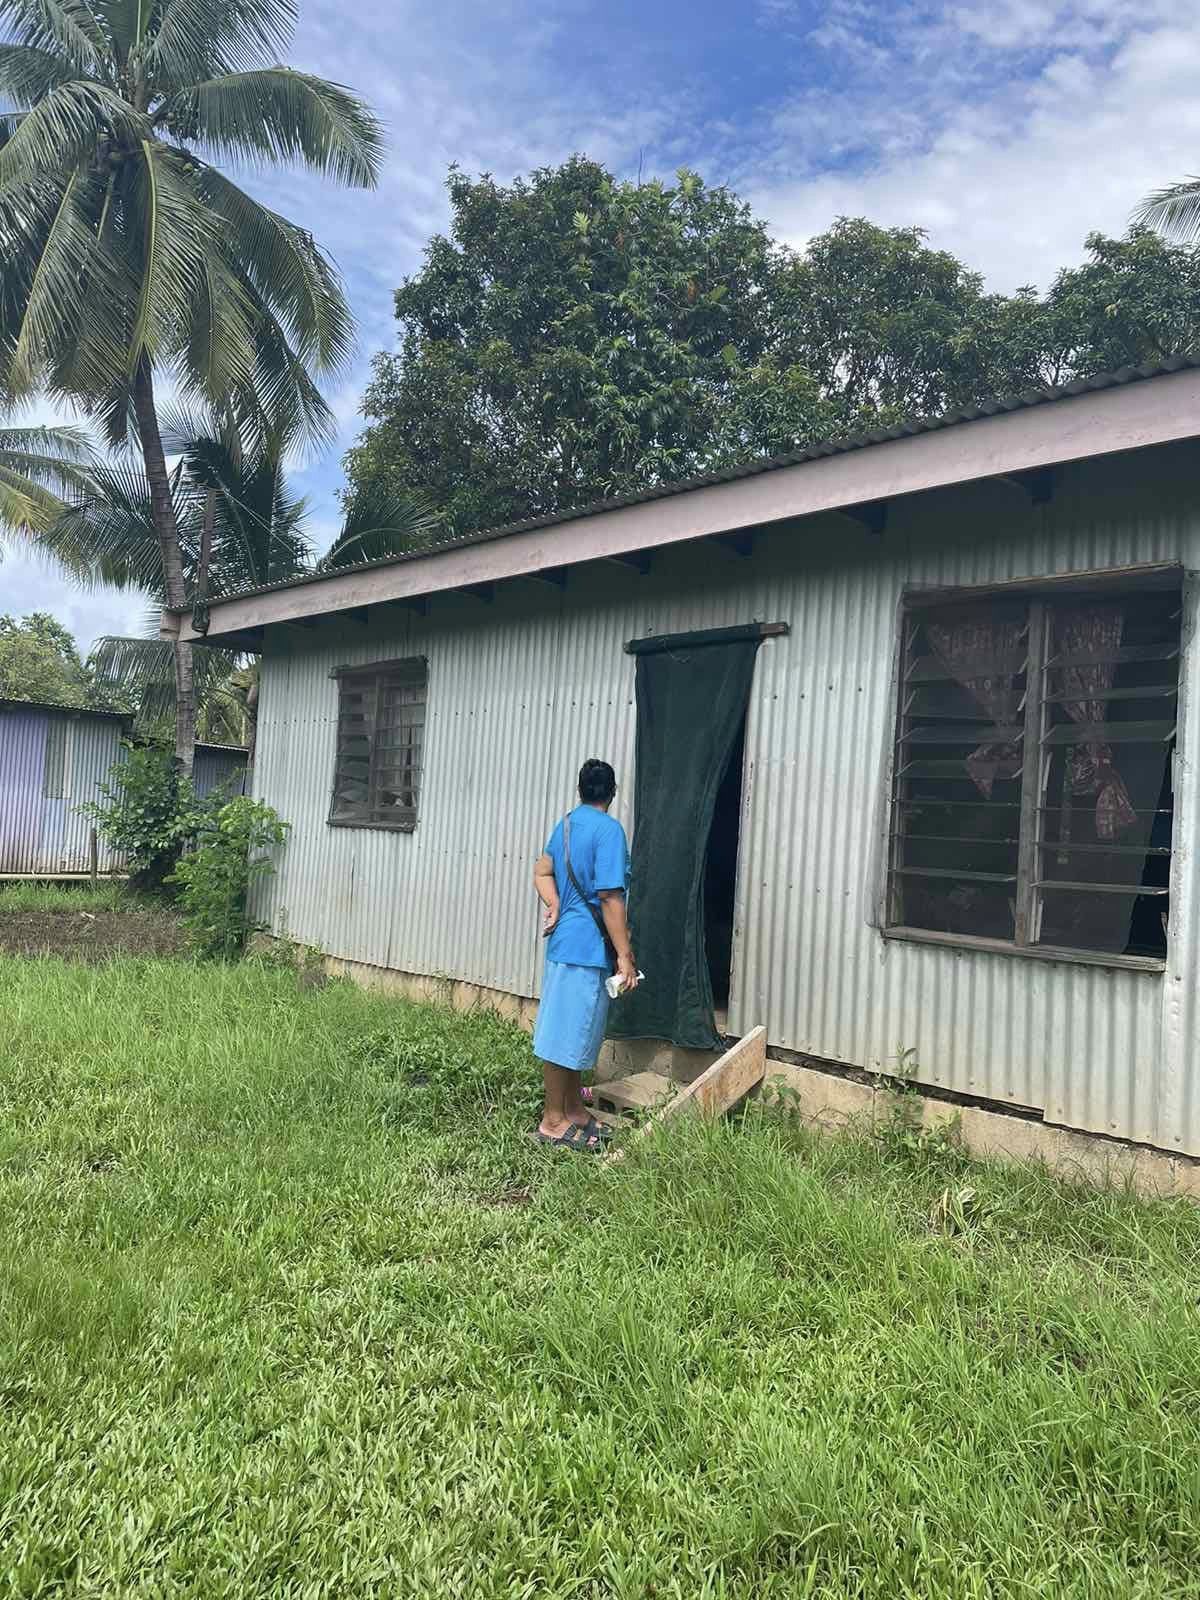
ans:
x=22 y=769
x=521 y=691
x=45 y=834
x=214 y=768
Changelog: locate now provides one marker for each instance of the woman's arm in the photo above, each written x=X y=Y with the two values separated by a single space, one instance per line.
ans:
x=612 y=908
x=547 y=887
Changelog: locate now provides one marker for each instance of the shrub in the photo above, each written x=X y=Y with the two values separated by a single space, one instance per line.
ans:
x=214 y=878
x=147 y=814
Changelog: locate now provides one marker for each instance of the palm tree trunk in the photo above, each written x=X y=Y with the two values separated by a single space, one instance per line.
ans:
x=163 y=511
x=251 y=726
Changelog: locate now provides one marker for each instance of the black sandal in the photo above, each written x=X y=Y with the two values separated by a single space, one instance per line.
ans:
x=582 y=1140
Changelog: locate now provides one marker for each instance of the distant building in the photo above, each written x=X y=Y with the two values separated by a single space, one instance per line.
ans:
x=906 y=726
x=53 y=759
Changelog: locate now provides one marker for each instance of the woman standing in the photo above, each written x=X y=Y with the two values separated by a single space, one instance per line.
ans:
x=581 y=879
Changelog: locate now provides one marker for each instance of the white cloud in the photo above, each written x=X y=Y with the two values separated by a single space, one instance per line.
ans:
x=1010 y=169
x=28 y=583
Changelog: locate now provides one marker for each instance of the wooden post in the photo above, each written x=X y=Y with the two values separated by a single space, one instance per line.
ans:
x=94 y=859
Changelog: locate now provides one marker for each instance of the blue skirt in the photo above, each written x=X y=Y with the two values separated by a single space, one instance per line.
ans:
x=571 y=1017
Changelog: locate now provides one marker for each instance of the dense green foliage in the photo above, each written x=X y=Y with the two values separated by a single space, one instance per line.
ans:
x=230 y=850
x=293 y=1307
x=147 y=812
x=574 y=336
x=39 y=660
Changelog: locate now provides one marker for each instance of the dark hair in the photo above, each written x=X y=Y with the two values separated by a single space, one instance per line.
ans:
x=597 y=783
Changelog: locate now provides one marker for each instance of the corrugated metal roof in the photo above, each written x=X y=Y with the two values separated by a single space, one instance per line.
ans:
x=8 y=702
x=858 y=441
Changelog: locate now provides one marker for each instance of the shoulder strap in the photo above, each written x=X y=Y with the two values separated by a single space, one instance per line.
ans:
x=610 y=949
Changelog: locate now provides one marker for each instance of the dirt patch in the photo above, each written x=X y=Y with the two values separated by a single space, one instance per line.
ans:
x=91 y=935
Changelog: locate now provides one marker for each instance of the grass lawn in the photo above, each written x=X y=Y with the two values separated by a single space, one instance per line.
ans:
x=291 y=1308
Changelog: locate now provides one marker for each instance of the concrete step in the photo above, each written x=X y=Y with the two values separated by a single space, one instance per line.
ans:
x=640 y=1091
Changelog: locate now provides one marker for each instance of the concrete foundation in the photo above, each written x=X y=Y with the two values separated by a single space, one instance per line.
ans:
x=836 y=1100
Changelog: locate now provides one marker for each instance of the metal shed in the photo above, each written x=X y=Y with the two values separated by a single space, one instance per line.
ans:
x=219 y=767
x=52 y=760
x=865 y=557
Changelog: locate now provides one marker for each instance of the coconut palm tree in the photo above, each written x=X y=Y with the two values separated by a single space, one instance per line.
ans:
x=127 y=257
x=240 y=526
x=39 y=467
x=1175 y=209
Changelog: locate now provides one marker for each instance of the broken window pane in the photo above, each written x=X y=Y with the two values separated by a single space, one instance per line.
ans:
x=1085 y=768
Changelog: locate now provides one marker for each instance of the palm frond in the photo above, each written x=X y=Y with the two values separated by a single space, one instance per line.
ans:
x=179 y=234
x=1175 y=209
x=283 y=402
x=109 y=533
x=59 y=445
x=276 y=115
x=220 y=334
x=51 y=296
x=383 y=522
x=292 y=274
x=68 y=29
x=27 y=74
x=195 y=39
x=145 y=670
x=25 y=506
x=38 y=468
x=64 y=130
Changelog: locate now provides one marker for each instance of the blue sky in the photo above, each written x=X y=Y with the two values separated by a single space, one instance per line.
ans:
x=1007 y=128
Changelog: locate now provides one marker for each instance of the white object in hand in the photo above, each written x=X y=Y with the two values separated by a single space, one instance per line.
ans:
x=616 y=984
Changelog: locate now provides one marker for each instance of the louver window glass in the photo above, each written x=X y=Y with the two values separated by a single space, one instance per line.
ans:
x=1033 y=793
x=380 y=745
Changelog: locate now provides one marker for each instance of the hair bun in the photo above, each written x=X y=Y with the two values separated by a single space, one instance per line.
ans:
x=597 y=782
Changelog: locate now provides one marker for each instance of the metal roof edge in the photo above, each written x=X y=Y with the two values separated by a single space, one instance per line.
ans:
x=13 y=702
x=910 y=429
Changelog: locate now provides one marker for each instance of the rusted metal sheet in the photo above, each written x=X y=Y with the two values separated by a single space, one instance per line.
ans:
x=521 y=691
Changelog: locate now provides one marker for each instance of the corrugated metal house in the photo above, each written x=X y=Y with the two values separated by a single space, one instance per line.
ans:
x=941 y=806
x=53 y=760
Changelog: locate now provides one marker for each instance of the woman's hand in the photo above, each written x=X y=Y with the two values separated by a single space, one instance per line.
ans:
x=627 y=970
x=549 y=920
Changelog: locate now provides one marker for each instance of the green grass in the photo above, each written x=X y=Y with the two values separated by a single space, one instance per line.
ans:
x=292 y=1308
x=106 y=896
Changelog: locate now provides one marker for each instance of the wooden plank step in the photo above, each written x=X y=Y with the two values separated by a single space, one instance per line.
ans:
x=609 y=1119
x=730 y=1078
x=639 y=1091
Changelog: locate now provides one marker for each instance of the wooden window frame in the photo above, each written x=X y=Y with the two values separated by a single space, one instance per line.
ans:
x=1041 y=594
x=374 y=679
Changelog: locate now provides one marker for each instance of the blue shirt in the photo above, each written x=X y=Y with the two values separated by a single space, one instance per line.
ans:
x=600 y=857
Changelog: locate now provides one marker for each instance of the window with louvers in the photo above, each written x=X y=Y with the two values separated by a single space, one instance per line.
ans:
x=380 y=745
x=1033 y=794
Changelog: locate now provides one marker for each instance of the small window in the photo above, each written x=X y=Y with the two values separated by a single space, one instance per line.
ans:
x=55 y=771
x=1033 y=797
x=380 y=745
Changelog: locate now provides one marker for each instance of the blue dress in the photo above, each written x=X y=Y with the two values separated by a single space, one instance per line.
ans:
x=574 y=1006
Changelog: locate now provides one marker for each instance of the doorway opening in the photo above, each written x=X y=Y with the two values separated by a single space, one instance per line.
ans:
x=693 y=692
x=720 y=876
